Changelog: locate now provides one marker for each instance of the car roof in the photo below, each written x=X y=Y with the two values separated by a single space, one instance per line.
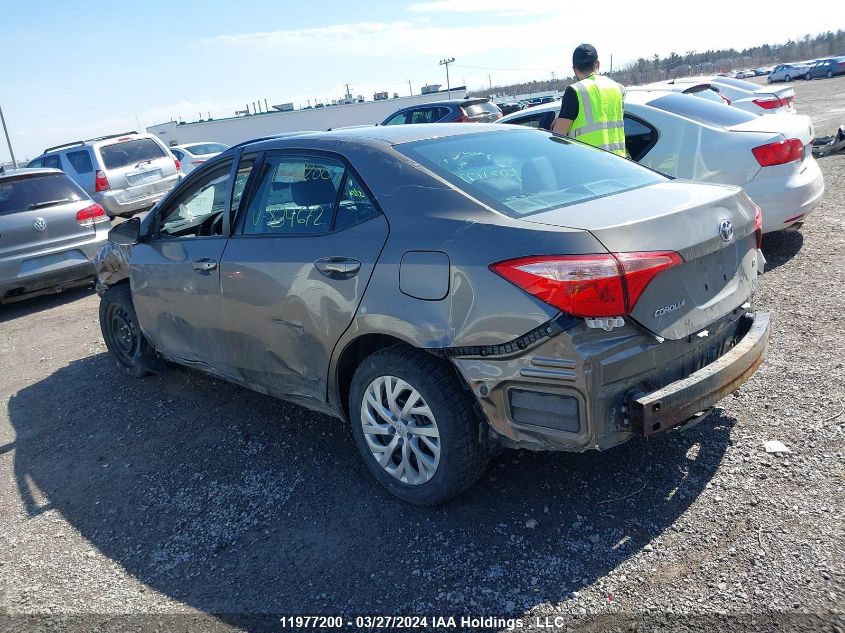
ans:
x=100 y=140
x=29 y=171
x=383 y=134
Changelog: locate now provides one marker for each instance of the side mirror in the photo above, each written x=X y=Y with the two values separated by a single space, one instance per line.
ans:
x=126 y=233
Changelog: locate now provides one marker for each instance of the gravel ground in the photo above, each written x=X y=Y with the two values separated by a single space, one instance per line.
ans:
x=181 y=502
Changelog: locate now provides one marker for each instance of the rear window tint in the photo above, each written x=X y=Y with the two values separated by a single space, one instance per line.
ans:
x=521 y=172
x=19 y=193
x=481 y=108
x=206 y=148
x=130 y=153
x=80 y=161
x=702 y=110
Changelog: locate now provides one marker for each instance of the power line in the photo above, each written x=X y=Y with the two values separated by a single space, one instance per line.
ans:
x=547 y=68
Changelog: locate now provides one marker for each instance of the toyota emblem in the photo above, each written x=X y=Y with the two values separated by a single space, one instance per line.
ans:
x=726 y=230
x=40 y=224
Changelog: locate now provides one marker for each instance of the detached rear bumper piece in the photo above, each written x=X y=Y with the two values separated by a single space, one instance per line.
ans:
x=679 y=401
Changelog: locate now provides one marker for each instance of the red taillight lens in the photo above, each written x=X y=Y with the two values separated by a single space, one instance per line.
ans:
x=178 y=164
x=758 y=226
x=463 y=118
x=779 y=153
x=598 y=285
x=101 y=183
x=770 y=103
x=91 y=215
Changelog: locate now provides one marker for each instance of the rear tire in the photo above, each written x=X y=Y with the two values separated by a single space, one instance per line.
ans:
x=769 y=79
x=132 y=352
x=830 y=74
x=807 y=77
x=436 y=447
x=787 y=78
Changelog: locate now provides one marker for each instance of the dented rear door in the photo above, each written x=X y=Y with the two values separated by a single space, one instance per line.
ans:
x=295 y=270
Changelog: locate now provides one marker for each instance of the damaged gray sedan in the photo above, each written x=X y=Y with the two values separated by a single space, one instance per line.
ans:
x=446 y=290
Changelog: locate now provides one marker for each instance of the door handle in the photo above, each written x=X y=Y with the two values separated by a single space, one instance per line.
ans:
x=204 y=265
x=338 y=267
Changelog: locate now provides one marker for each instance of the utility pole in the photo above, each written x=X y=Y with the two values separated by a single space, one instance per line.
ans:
x=490 y=81
x=410 y=88
x=446 y=62
x=8 y=141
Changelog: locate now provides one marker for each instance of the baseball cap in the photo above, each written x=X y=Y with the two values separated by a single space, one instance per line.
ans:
x=584 y=54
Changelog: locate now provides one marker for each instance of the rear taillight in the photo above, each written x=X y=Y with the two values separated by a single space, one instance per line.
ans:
x=758 y=226
x=600 y=285
x=770 y=103
x=779 y=153
x=101 y=183
x=92 y=215
x=463 y=118
x=178 y=164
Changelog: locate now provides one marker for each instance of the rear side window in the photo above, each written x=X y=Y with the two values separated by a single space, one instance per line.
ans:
x=639 y=137
x=702 y=110
x=201 y=149
x=80 y=161
x=33 y=191
x=481 y=108
x=428 y=115
x=130 y=153
x=355 y=205
x=296 y=196
x=522 y=172
x=53 y=161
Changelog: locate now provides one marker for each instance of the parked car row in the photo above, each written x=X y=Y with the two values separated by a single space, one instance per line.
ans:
x=744 y=95
x=816 y=69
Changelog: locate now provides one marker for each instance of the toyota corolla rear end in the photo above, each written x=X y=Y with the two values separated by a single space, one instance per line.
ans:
x=653 y=327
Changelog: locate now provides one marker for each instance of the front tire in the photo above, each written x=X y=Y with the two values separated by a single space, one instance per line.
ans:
x=769 y=79
x=416 y=427
x=132 y=352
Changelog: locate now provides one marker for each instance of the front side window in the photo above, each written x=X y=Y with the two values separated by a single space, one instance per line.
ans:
x=197 y=211
x=295 y=196
x=522 y=172
x=81 y=161
x=130 y=153
x=398 y=119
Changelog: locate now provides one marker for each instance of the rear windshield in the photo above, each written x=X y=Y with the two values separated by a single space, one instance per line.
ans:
x=20 y=193
x=130 y=153
x=482 y=108
x=206 y=148
x=520 y=172
x=702 y=110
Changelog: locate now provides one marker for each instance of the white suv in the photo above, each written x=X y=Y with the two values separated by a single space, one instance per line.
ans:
x=124 y=173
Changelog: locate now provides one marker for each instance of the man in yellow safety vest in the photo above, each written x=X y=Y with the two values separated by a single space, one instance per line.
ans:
x=591 y=110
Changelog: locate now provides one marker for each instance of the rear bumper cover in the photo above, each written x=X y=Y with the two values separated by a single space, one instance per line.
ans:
x=679 y=401
x=621 y=384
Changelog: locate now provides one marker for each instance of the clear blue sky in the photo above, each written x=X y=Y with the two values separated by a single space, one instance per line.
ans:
x=74 y=70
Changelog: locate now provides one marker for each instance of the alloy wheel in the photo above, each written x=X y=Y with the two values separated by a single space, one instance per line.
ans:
x=400 y=430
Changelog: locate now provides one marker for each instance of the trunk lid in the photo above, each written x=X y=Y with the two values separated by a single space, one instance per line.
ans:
x=38 y=213
x=782 y=127
x=717 y=276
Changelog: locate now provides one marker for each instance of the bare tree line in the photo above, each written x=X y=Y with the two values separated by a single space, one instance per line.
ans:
x=694 y=62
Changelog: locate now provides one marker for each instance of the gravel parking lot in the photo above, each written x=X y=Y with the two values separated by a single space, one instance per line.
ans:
x=211 y=506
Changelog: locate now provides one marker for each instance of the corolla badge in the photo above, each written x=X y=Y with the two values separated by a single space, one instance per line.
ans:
x=670 y=308
x=40 y=224
x=726 y=230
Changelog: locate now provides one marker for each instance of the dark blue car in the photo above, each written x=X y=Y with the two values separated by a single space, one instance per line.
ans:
x=826 y=68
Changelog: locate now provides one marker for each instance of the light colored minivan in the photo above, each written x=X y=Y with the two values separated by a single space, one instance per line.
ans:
x=124 y=173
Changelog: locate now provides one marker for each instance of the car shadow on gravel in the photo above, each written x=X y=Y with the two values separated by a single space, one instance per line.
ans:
x=236 y=503
x=26 y=307
x=780 y=247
